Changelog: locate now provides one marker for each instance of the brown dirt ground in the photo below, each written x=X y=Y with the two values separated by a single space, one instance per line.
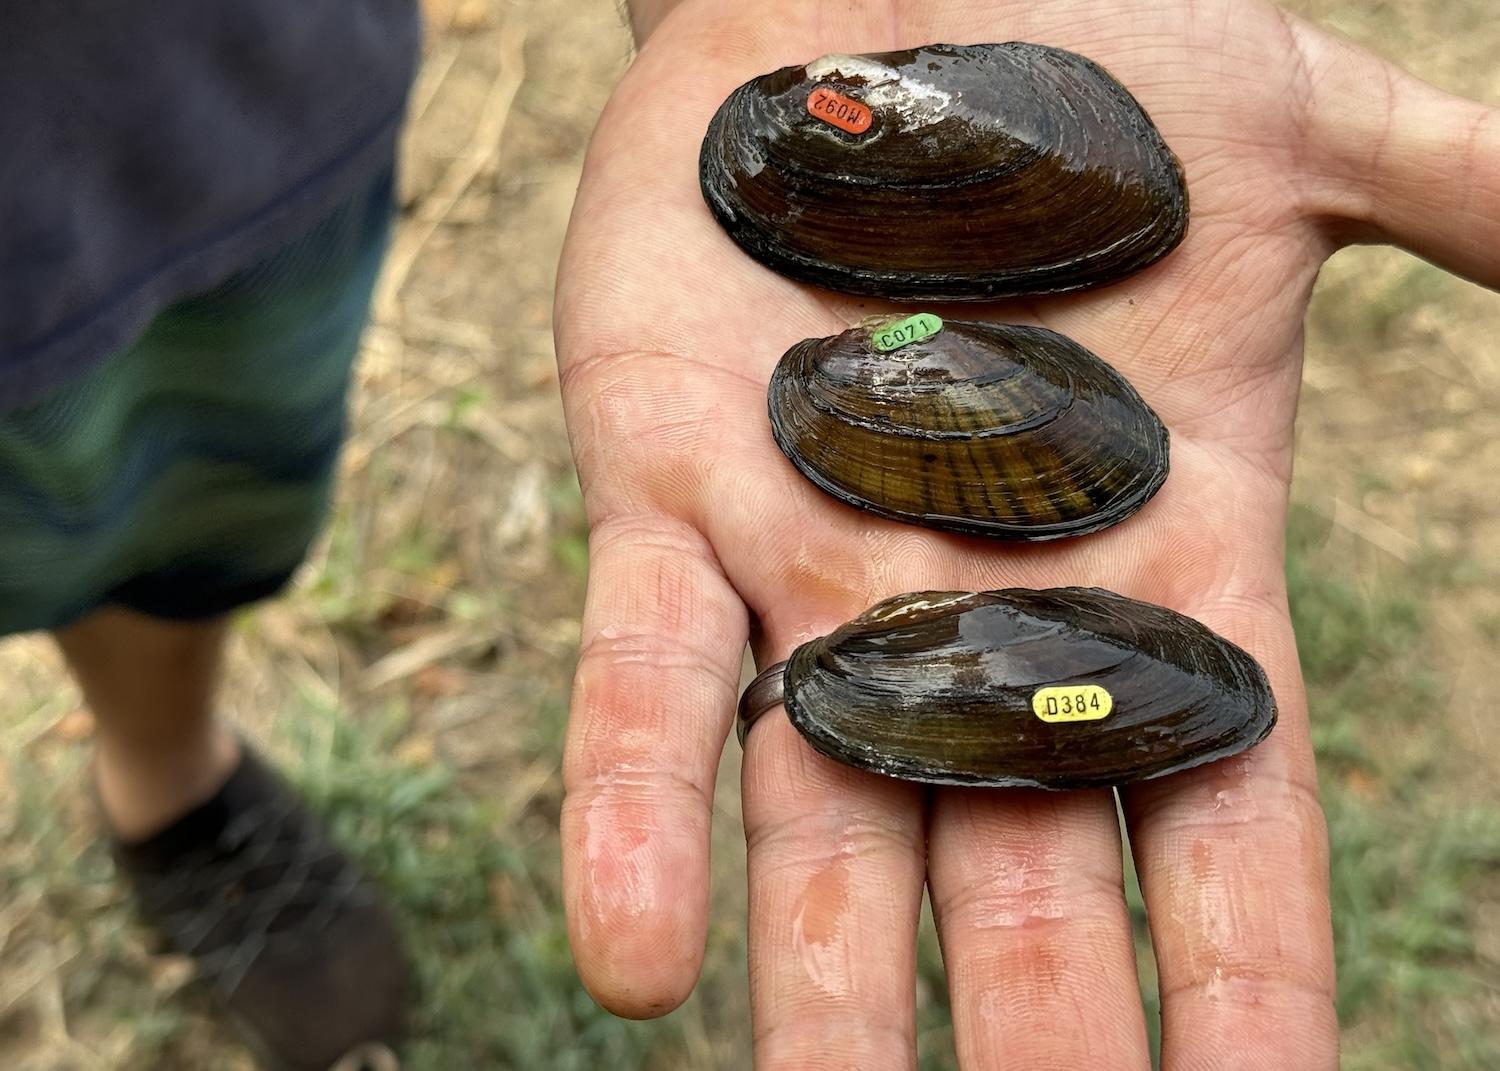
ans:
x=1399 y=428
x=440 y=578
x=458 y=504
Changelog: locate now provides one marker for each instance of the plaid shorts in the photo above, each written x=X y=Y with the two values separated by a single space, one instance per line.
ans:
x=187 y=474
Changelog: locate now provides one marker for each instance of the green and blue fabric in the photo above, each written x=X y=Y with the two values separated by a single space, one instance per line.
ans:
x=187 y=474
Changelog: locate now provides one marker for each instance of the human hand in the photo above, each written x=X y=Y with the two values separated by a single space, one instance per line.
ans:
x=704 y=535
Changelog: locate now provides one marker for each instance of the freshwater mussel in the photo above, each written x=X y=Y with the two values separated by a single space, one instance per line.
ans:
x=1061 y=688
x=986 y=429
x=958 y=172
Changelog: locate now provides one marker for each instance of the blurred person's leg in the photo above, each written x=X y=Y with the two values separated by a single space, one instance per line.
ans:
x=141 y=504
x=151 y=683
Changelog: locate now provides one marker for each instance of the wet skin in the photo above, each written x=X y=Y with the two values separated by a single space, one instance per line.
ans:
x=704 y=536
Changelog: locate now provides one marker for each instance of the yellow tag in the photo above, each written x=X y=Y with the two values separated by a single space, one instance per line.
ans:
x=1072 y=702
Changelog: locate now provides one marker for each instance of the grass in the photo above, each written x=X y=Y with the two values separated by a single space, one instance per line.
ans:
x=480 y=887
x=1408 y=869
x=472 y=858
x=1410 y=864
x=473 y=862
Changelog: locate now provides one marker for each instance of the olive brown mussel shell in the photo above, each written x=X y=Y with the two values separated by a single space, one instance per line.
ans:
x=1062 y=688
x=955 y=172
x=985 y=429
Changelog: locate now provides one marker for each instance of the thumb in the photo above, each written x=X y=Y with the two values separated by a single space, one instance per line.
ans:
x=1402 y=161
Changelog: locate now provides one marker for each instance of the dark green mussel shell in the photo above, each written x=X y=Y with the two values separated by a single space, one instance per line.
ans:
x=984 y=429
x=985 y=171
x=1000 y=688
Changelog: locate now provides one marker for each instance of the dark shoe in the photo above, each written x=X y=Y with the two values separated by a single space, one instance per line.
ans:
x=299 y=948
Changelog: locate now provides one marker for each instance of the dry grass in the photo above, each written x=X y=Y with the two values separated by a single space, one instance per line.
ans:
x=416 y=679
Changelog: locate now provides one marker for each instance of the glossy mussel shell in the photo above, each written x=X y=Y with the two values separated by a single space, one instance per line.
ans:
x=986 y=429
x=985 y=171
x=943 y=687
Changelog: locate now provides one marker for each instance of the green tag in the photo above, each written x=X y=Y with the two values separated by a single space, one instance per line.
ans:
x=905 y=332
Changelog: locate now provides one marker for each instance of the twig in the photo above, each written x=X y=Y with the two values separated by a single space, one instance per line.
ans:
x=434 y=74
x=528 y=786
x=1375 y=532
x=12 y=915
x=483 y=147
x=36 y=971
x=418 y=655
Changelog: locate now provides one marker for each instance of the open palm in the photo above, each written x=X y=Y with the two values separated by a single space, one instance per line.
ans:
x=704 y=536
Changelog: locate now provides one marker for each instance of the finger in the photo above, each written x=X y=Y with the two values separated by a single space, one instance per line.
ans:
x=1408 y=163
x=1030 y=906
x=658 y=672
x=1233 y=862
x=836 y=866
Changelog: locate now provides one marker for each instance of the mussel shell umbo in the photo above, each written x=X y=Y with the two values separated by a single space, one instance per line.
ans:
x=1062 y=688
x=968 y=172
x=986 y=429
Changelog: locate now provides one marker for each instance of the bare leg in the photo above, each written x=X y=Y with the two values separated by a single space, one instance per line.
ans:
x=151 y=686
x=304 y=952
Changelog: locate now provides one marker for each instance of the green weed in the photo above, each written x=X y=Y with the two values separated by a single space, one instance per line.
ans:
x=479 y=888
x=1408 y=862
x=480 y=893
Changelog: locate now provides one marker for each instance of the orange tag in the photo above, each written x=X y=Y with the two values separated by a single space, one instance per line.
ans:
x=835 y=109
